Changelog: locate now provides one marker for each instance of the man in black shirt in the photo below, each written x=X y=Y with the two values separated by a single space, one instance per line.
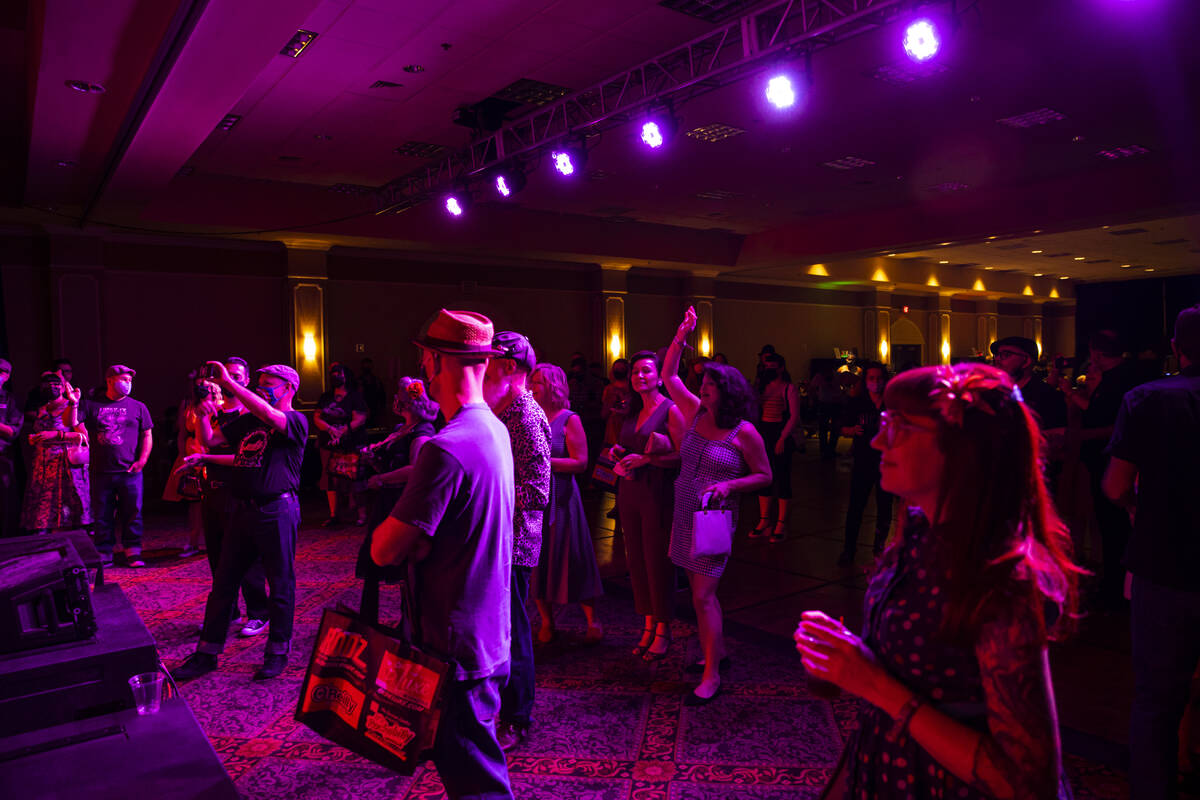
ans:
x=1155 y=467
x=268 y=446
x=861 y=421
x=1017 y=356
x=217 y=506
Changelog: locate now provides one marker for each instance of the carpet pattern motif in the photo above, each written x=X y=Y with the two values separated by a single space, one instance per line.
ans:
x=607 y=725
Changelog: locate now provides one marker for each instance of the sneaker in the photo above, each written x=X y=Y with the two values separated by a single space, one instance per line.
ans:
x=272 y=667
x=197 y=664
x=510 y=735
x=253 y=627
x=135 y=562
x=190 y=551
x=106 y=559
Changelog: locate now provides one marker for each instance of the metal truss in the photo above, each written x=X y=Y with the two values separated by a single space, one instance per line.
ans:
x=781 y=31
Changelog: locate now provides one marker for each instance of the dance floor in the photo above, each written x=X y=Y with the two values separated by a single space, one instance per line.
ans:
x=608 y=726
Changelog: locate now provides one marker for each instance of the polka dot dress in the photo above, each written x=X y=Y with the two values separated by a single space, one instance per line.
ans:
x=904 y=606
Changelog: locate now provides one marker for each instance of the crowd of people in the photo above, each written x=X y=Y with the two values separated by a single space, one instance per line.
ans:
x=474 y=500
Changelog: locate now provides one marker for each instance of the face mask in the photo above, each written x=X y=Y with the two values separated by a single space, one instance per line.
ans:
x=50 y=392
x=770 y=375
x=267 y=393
x=874 y=387
x=123 y=388
x=337 y=378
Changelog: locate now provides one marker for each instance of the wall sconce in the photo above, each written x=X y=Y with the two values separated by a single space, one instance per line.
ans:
x=705 y=346
x=979 y=287
x=933 y=281
x=309 y=346
x=614 y=346
x=945 y=351
x=883 y=350
x=880 y=276
x=1038 y=342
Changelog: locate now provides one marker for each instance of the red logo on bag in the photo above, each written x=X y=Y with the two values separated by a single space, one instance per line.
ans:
x=388 y=731
x=408 y=682
x=339 y=645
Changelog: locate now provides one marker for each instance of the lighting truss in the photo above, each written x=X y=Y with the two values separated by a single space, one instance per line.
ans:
x=785 y=29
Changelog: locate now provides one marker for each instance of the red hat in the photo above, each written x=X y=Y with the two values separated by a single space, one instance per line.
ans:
x=460 y=333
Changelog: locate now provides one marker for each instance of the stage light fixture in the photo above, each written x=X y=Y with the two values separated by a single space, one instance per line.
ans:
x=652 y=135
x=569 y=160
x=780 y=92
x=922 y=40
x=659 y=129
x=507 y=181
x=457 y=201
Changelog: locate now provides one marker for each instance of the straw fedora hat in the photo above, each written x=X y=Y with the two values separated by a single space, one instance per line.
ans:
x=459 y=333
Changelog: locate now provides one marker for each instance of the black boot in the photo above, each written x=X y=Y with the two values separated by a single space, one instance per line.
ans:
x=272 y=667
x=197 y=664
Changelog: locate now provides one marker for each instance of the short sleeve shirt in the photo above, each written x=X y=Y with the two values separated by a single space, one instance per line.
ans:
x=529 y=433
x=266 y=462
x=861 y=410
x=1158 y=431
x=1048 y=403
x=461 y=495
x=339 y=412
x=115 y=429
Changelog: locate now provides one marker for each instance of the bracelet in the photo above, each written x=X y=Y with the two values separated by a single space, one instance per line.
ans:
x=907 y=712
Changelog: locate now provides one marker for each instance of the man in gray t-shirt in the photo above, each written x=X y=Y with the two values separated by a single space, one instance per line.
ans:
x=455 y=523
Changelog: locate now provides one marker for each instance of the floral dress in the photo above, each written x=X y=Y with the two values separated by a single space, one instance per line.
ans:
x=904 y=606
x=57 y=495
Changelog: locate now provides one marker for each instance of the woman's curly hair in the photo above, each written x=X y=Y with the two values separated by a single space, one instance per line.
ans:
x=738 y=399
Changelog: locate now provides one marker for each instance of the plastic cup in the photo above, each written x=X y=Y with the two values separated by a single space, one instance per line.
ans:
x=147 y=692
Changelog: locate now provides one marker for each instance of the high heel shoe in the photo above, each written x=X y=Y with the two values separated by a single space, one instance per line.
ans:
x=640 y=649
x=779 y=534
x=760 y=530
x=650 y=656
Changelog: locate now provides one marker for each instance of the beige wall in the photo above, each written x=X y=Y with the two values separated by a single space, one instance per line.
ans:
x=800 y=332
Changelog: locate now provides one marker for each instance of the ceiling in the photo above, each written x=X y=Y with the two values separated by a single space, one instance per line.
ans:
x=1114 y=88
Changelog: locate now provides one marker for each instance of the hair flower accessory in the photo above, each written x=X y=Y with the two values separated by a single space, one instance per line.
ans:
x=955 y=391
x=416 y=389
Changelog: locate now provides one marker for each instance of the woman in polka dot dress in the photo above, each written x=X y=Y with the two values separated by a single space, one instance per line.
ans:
x=951 y=668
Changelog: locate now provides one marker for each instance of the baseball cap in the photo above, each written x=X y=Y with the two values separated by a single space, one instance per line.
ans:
x=283 y=372
x=119 y=369
x=517 y=347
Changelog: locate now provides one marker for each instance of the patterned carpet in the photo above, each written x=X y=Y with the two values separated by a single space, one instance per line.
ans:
x=608 y=726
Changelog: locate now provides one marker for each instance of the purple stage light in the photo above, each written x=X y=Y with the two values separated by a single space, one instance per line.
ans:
x=502 y=186
x=563 y=162
x=652 y=135
x=780 y=92
x=921 y=40
x=453 y=206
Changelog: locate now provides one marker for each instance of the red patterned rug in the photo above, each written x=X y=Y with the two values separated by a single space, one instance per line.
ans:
x=607 y=725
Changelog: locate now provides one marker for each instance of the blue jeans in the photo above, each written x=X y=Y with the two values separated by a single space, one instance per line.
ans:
x=467 y=756
x=517 y=697
x=257 y=532
x=117 y=497
x=1166 y=650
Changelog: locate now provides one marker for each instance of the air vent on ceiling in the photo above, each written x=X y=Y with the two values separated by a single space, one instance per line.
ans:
x=905 y=72
x=1128 y=231
x=1128 y=151
x=530 y=92
x=610 y=211
x=716 y=194
x=419 y=149
x=714 y=11
x=714 y=133
x=1171 y=241
x=298 y=44
x=949 y=187
x=598 y=175
x=227 y=123
x=385 y=85
x=1031 y=119
x=848 y=162
x=358 y=190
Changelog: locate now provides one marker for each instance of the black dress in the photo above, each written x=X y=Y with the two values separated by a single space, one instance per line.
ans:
x=382 y=501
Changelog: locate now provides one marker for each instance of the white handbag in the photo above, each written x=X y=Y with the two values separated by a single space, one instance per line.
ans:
x=712 y=530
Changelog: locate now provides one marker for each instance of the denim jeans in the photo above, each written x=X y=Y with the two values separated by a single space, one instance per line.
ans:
x=517 y=697
x=216 y=512
x=265 y=533
x=1166 y=649
x=863 y=479
x=467 y=756
x=117 y=498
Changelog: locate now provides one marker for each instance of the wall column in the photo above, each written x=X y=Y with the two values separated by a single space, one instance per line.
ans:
x=877 y=327
x=613 y=288
x=939 y=331
x=307 y=280
x=701 y=290
x=986 y=320
x=77 y=310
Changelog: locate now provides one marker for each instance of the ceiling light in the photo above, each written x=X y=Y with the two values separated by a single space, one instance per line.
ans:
x=298 y=44
x=989 y=268
x=508 y=180
x=1080 y=258
x=921 y=40
x=84 y=87
x=943 y=262
x=992 y=237
x=945 y=244
x=1126 y=266
x=1149 y=269
x=1062 y=277
x=780 y=92
x=1035 y=252
x=1038 y=274
x=413 y=69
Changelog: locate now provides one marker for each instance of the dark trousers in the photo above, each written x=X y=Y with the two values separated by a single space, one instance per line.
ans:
x=781 y=464
x=216 y=511
x=1166 y=650
x=827 y=432
x=117 y=498
x=647 y=541
x=10 y=499
x=863 y=479
x=467 y=756
x=516 y=705
x=1115 y=529
x=263 y=533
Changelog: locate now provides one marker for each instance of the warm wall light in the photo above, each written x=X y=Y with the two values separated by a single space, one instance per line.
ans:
x=1028 y=290
x=309 y=347
x=945 y=351
x=880 y=276
x=614 y=345
x=883 y=349
x=818 y=269
x=933 y=281
x=705 y=346
x=1038 y=342
x=1054 y=292
x=979 y=287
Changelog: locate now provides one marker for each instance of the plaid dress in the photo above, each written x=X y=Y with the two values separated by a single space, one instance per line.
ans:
x=703 y=462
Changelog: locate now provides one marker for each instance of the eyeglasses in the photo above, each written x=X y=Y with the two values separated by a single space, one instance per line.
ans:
x=1011 y=354
x=891 y=426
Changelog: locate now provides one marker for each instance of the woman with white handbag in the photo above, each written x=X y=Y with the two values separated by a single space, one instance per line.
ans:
x=722 y=457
